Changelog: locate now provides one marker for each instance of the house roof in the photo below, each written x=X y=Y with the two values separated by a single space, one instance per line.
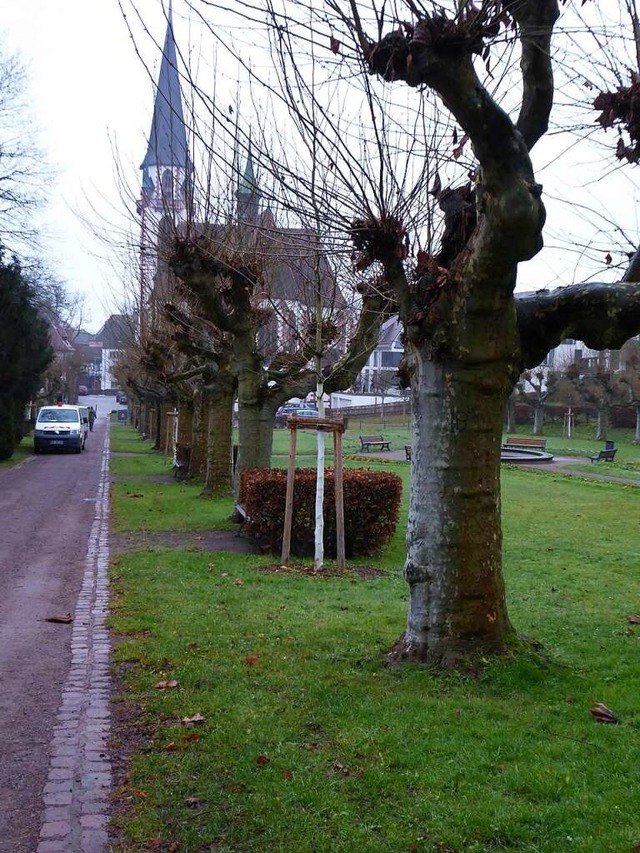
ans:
x=116 y=332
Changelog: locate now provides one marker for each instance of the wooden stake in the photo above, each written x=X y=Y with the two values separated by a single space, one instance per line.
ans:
x=288 y=507
x=338 y=488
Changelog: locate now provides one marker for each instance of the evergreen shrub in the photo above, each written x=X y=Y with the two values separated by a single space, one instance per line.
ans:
x=371 y=507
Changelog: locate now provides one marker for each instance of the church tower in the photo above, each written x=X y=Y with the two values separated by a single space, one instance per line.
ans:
x=248 y=195
x=165 y=199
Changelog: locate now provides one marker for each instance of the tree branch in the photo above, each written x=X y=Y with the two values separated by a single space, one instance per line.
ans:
x=604 y=316
x=536 y=19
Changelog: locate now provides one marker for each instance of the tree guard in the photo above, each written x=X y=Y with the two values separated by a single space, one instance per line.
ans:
x=335 y=426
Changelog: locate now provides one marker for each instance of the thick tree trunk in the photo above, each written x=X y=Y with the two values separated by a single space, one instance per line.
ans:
x=457 y=607
x=157 y=426
x=603 y=424
x=255 y=435
x=198 y=442
x=185 y=420
x=538 y=418
x=510 y=415
x=256 y=413
x=636 y=435
x=218 y=475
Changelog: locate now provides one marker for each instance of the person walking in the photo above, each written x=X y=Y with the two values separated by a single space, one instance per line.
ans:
x=92 y=417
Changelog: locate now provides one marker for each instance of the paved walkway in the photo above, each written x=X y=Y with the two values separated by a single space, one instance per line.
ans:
x=79 y=781
x=560 y=465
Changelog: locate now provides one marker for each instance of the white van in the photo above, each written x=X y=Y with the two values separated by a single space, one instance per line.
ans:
x=60 y=428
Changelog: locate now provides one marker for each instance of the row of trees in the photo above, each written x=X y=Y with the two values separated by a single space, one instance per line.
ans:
x=409 y=139
x=612 y=379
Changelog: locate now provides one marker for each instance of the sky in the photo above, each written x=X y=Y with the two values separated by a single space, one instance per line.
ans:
x=92 y=99
x=91 y=103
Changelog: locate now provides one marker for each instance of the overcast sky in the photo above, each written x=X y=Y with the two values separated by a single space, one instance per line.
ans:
x=91 y=96
x=92 y=99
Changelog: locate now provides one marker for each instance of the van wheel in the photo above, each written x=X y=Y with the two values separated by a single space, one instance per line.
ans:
x=36 y=450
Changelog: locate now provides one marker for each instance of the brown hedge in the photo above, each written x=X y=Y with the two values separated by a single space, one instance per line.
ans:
x=371 y=507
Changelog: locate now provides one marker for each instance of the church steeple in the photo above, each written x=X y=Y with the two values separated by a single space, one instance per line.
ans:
x=249 y=194
x=167 y=167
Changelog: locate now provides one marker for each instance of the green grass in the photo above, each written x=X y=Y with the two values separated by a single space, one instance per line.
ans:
x=22 y=451
x=311 y=742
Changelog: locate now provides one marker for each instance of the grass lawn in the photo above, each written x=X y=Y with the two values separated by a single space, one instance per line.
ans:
x=310 y=743
x=22 y=451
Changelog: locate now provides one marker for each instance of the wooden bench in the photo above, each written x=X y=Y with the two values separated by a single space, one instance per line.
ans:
x=526 y=442
x=377 y=441
x=606 y=455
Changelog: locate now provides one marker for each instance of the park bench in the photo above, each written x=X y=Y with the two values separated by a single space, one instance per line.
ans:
x=376 y=441
x=606 y=455
x=526 y=442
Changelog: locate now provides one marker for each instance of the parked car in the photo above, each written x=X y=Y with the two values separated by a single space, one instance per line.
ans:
x=121 y=398
x=61 y=427
x=298 y=411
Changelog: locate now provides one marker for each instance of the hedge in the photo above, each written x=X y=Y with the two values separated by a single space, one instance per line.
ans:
x=371 y=507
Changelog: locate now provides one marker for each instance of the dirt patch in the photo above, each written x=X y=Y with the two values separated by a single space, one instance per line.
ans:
x=364 y=572
x=200 y=540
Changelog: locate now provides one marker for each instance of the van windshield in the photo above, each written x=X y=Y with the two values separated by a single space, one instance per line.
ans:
x=58 y=416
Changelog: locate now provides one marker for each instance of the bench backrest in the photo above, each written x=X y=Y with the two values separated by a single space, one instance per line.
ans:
x=372 y=438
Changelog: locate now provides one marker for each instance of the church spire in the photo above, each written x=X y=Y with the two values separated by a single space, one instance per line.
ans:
x=168 y=137
x=249 y=194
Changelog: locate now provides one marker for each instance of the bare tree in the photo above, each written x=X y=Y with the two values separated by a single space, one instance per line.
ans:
x=21 y=163
x=467 y=338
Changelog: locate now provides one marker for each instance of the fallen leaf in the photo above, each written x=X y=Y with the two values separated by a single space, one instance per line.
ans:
x=251 y=660
x=457 y=713
x=238 y=582
x=287 y=775
x=602 y=714
x=261 y=760
x=225 y=575
x=62 y=620
x=138 y=792
x=634 y=620
x=135 y=495
x=193 y=802
x=192 y=721
x=171 y=746
x=166 y=685
x=569 y=700
x=192 y=738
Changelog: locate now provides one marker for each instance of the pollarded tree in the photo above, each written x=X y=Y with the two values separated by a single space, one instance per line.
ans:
x=598 y=384
x=467 y=337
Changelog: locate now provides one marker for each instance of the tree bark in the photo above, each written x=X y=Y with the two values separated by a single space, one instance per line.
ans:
x=636 y=435
x=219 y=432
x=457 y=607
x=197 y=462
x=185 y=419
x=538 y=418
x=603 y=423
